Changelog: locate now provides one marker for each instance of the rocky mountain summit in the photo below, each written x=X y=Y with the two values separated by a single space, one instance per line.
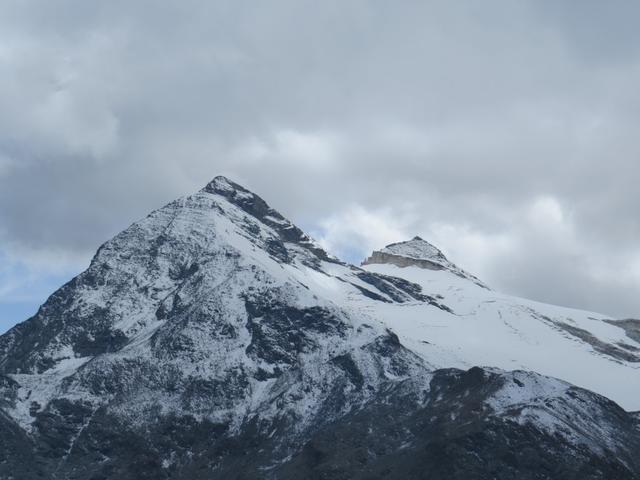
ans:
x=417 y=253
x=216 y=340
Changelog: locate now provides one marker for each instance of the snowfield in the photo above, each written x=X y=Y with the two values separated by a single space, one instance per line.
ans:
x=491 y=329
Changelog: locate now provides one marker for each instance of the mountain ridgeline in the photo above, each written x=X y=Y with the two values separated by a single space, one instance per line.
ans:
x=214 y=339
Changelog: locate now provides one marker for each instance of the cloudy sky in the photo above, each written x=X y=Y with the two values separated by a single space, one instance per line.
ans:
x=505 y=132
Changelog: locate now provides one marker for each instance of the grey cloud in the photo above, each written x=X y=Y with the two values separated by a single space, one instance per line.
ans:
x=459 y=113
x=603 y=32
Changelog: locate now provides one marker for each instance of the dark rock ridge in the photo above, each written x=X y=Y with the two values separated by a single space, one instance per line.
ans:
x=257 y=208
x=455 y=431
x=622 y=351
x=203 y=343
x=630 y=326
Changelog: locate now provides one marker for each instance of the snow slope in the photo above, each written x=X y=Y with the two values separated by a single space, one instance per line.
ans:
x=488 y=328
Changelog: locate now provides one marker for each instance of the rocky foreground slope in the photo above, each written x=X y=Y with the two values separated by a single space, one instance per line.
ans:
x=215 y=340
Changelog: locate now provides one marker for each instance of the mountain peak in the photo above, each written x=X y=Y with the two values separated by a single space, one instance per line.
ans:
x=254 y=206
x=417 y=249
x=223 y=185
x=221 y=181
x=417 y=252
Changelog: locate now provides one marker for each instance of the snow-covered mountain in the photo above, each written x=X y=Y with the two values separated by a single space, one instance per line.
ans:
x=417 y=253
x=484 y=327
x=214 y=339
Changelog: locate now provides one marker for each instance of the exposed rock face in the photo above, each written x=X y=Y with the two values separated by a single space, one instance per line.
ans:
x=473 y=424
x=215 y=340
x=400 y=261
x=622 y=351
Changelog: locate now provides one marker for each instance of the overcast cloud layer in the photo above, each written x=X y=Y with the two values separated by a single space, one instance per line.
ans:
x=505 y=132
